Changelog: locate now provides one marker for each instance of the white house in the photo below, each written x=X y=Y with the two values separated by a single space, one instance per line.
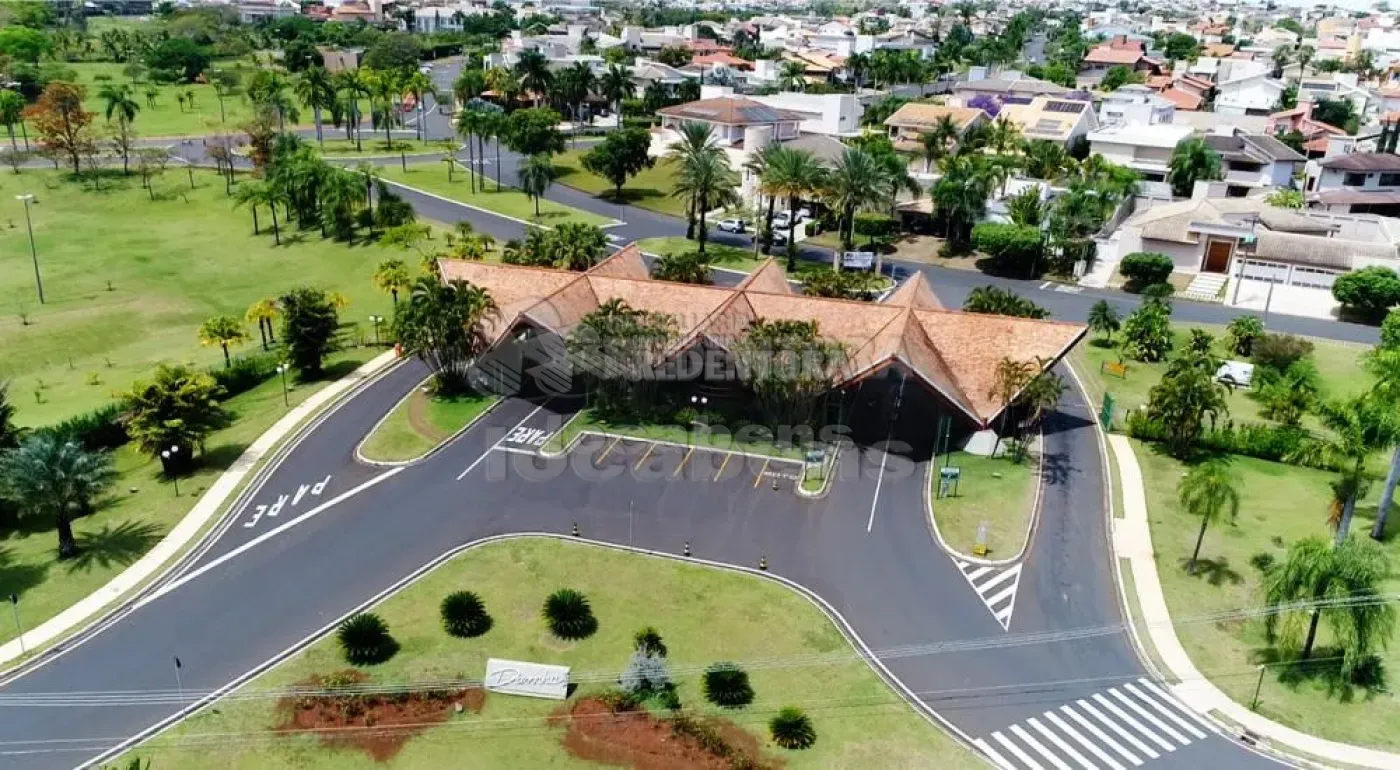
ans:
x=1253 y=161
x=1335 y=86
x=1135 y=105
x=1360 y=182
x=1253 y=93
x=1143 y=148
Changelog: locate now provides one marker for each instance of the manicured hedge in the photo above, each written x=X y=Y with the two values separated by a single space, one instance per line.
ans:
x=1260 y=440
x=1012 y=246
x=1145 y=268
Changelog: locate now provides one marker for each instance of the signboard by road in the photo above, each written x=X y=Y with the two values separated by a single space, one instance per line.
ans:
x=859 y=260
x=534 y=680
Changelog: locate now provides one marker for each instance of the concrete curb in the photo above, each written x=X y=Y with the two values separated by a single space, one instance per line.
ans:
x=1132 y=540
x=210 y=505
x=360 y=457
x=1030 y=526
x=526 y=222
x=829 y=475
x=861 y=649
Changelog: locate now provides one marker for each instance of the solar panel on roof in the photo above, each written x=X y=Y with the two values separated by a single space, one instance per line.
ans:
x=1064 y=106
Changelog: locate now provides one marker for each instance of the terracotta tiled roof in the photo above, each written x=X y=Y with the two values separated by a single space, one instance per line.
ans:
x=1110 y=55
x=1184 y=100
x=953 y=353
x=722 y=58
x=730 y=110
x=926 y=116
x=1218 y=50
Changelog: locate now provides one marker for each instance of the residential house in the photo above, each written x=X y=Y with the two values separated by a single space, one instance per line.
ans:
x=1316 y=134
x=1056 y=120
x=1335 y=86
x=1006 y=87
x=912 y=121
x=730 y=117
x=1246 y=88
x=1135 y=104
x=1358 y=183
x=1143 y=148
x=1118 y=52
x=1253 y=161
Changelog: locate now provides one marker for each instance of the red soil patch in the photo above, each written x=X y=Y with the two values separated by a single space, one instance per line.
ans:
x=638 y=740
x=377 y=723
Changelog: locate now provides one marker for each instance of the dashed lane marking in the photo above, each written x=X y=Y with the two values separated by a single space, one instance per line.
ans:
x=606 y=451
x=759 y=478
x=723 y=465
x=650 y=448
x=684 y=460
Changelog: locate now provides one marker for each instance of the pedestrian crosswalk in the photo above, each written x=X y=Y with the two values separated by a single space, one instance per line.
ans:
x=1117 y=729
x=996 y=586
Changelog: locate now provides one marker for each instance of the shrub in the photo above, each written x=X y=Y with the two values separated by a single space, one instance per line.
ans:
x=1158 y=290
x=998 y=301
x=874 y=226
x=1147 y=333
x=1276 y=443
x=1010 y=246
x=1145 y=268
x=569 y=615
x=464 y=615
x=645 y=673
x=618 y=700
x=364 y=639
x=1262 y=561
x=727 y=685
x=245 y=373
x=1242 y=333
x=101 y=429
x=649 y=640
x=792 y=729
x=1280 y=351
x=1369 y=292
x=1390 y=330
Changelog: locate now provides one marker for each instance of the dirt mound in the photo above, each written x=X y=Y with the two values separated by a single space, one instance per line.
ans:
x=377 y=723
x=638 y=740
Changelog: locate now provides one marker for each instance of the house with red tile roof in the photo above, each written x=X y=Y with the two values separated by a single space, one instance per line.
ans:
x=1119 y=52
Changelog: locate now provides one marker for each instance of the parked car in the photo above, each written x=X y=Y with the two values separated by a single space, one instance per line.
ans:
x=779 y=238
x=732 y=225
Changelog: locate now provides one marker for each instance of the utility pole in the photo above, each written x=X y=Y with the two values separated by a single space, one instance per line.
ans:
x=33 y=252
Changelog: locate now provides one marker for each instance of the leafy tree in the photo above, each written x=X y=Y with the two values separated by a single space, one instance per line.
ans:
x=1369 y=292
x=1192 y=160
x=1119 y=76
x=12 y=106
x=392 y=276
x=64 y=127
x=682 y=267
x=1025 y=208
x=1339 y=584
x=792 y=729
x=1336 y=112
x=1390 y=330
x=9 y=432
x=1286 y=396
x=182 y=57
x=1013 y=248
x=1145 y=268
x=646 y=673
x=839 y=284
x=537 y=175
x=1384 y=364
x=1284 y=198
x=620 y=156
x=727 y=685
x=444 y=324
x=1179 y=46
x=48 y=475
x=648 y=640
x=1242 y=333
x=1278 y=352
x=630 y=341
x=789 y=366
x=1210 y=491
x=464 y=615
x=24 y=44
x=998 y=301
x=674 y=56
x=1356 y=429
x=393 y=52
x=1104 y=319
x=569 y=615
x=178 y=408
x=222 y=330
x=1147 y=333
x=365 y=640
x=534 y=131
x=309 y=325
x=1185 y=398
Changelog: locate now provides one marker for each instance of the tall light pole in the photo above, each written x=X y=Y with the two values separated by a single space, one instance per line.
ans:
x=14 y=605
x=33 y=252
x=376 y=320
x=282 y=370
x=169 y=455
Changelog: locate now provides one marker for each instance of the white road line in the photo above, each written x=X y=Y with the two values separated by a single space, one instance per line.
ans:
x=487 y=453
x=1016 y=750
x=1182 y=723
x=1145 y=714
x=997 y=759
x=1000 y=597
x=1002 y=577
x=1059 y=742
x=264 y=537
x=1172 y=700
x=514 y=450
x=1038 y=746
x=879 y=480
x=1003 y=615
x=1097 y=733
x=977 y=573
x=1085 y=742
x=1140 y=727
x=1112 y=725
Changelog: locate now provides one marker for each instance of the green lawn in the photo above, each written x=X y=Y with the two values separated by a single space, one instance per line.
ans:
x=128 y=281
x=651 y=189
x=140 y=510
x=1281 y=504
x=169 y=118
x=858 y=720
x=420 y=423
x=994 y=491
x=731 y=257
x=509 y=201
x=715 y=438
x=337 y=146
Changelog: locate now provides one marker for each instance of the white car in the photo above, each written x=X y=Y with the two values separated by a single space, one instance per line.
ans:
x=733 y=225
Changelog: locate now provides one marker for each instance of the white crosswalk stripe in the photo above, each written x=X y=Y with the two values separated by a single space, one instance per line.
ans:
x=996 y=586
x=1115 y=729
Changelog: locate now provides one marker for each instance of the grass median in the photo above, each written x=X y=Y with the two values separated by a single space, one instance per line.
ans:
x=857 y=718
x=996 y=491
x=507 y=201
x=420 y=423
x=650 y=189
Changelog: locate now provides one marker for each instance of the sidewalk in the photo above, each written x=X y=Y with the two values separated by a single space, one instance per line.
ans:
x=189 y=528
x=1132 y=540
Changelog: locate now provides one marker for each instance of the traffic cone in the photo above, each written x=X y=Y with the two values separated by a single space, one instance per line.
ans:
x=763 y=563
x=575 y=530
x=687 y=548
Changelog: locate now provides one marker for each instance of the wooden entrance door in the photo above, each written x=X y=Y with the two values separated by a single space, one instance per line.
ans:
x=1218 y=256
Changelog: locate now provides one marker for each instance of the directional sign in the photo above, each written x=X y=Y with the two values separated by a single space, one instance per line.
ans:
x=859 y=260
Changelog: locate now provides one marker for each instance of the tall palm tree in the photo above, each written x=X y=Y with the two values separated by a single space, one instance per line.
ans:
x=857 y=182
x=254 y=194
x=1191 y=161
x=580 y=83
x=420 y=86
x=758 y=165
x=1305 y=55
x=468 y=124
x=268 y=91
x=493 y=127
x=706 y=181
x=537 y=174
x=1384 y=364
x=792 y=76
x=1210 y=491
x=616 y=85
x=1338 y=583
x=264 y=312
x=961 y=194
x=1045 y=159
x=51 y=475
x=12 y=106
x=1005 y=134
x=1357 y=428
x=694 y=140
x=932 y=148
x=794 y=174
x=119 y=102
x=222 y=330
x=384 y=87
x=533 y=70
x=316 y=90
x=391 y=275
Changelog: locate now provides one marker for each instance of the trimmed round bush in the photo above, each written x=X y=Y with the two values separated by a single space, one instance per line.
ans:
x=464 y=615
x=569 y=615
x=727 y=685
x=1369 y=292
x=791 y=728
x=1390 y=330
x=1145 y=268
x=364 y=639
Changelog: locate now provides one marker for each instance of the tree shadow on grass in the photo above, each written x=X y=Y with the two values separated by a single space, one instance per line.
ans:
x=222 y=456
x=16 y=577
x=1213 y=571
x=1323 y=669
x=120 y=545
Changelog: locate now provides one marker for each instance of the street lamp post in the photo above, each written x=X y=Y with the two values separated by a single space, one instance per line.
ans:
x=169 y=455
x=376 y=320
x=19 y=630
x=33 y=252
x=282 y=370
x=699 y=403
x=1254 y=706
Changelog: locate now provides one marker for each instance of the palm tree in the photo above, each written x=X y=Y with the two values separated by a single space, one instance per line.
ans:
x=1103 y=318
x=616 y=85
x=1209 y=490
x=1192 y=160
x=856 y=182
x=316 y=90
x=932 y=148
x=1045 y=159
x=354 y=85
x=1356 y=429
x=119 y=102
x=793 y=76
x=706 y=181
x=1384 y=364
x=420 y=86
x=695 y=139
x=384 y=87
x=533 y=70
x=264 y=312
x=581 y=82
x=961 y=194
x=1338 y=583
x=1005 y=134
x=255 y=194
x=392 y=276
x=758 y=165
x=12 y=106
x=536 y=175
x=444 y=323
x=468 y=124
x=222 y=330
x=1280 y=59
x=794 y=174
x=268 y=91
x=1305 y=55
x=51 y=475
